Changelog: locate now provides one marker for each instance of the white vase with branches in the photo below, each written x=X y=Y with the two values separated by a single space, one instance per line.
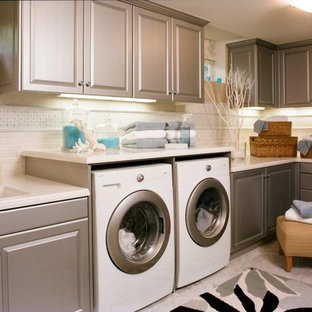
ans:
x=238 y=88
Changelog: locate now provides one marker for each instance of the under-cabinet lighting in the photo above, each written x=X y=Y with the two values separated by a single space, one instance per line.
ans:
x=105 y=98
x=305 y=5
x=254 y=108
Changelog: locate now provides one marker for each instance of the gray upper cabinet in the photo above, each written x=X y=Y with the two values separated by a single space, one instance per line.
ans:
x=152 y=43
x=77 y=47
x=9 y=71
x=168 y=58
x=295 y=76
x=258 y=59
x=188 y=63
x=108 y=48
x=52 y=46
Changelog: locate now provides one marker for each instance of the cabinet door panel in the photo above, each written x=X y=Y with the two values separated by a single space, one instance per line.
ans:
x=108 y=48
x=46 y=269
x=152 y=55
x=266 y=77
x=280 y=193
x=9 y=71
x=52 y=45
x=295 y=76
x=243 y=58
x=188 y=62
x=248 y=208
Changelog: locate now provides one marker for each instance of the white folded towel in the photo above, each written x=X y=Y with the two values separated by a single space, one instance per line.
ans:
x=145 y=134
x=276 y=118
x=292 y=215
x=176 y=134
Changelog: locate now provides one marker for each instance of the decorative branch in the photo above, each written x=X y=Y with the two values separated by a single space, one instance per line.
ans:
x=238 y=90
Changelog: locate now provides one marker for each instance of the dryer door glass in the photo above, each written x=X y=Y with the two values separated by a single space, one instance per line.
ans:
x=138 y=232
x=207 y=212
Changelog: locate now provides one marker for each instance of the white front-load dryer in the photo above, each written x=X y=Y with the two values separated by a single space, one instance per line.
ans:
x=202 y=218
x=133 y=236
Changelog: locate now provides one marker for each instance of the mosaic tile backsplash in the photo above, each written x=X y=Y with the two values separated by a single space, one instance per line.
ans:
x=28 y=127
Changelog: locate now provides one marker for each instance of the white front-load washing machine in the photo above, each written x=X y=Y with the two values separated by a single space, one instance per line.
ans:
x=202 y=218
x=133 y=236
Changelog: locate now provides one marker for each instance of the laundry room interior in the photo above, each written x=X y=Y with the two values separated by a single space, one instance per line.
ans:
x=155 y=155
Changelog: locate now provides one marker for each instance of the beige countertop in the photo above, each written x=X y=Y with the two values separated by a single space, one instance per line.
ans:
x=27 y=190
x=125 y=154
x=252 y=162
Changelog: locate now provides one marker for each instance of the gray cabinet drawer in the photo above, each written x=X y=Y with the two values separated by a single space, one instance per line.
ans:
x=26 y=218
x=306 y=195
x=305 y=168
x=306 y=181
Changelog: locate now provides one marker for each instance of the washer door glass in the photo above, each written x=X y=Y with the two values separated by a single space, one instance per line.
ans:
x=138 y=232
x=207 y=212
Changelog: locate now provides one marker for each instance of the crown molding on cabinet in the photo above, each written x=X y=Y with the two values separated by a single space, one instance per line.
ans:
x=301 y=43
x=257 y=41
x=158 y=8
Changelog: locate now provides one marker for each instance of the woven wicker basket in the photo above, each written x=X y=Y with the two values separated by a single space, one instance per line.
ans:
x=277 y=128
x=273 y=146
x=308 y=155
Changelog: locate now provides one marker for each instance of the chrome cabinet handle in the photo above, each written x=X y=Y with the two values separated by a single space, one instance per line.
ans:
x=208 y=167
x=80 y=83
x=88 y=84
x=170 y=92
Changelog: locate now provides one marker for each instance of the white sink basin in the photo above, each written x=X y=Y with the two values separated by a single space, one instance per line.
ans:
x=7 y=191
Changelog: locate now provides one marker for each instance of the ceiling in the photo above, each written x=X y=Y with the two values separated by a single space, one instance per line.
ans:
x=272 y=20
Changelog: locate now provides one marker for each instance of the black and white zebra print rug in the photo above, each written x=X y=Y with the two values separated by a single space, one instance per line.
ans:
x=254 y=291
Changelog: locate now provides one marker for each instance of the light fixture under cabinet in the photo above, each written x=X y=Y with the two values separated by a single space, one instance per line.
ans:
x=305 y=5
x=104 y=98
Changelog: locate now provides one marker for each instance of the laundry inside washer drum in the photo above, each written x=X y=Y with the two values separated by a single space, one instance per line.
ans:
x=139 y=231
x=208 y=211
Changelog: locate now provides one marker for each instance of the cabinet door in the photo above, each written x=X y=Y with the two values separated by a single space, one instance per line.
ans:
x=243 y=58
x=279 y=193
x=188 y=65
x=152 y=55
x=108 y=48
x=45 y=269
x=266 y=77
x=52 y=45
x=248 y=204
x=295 y=76
x=9 y=69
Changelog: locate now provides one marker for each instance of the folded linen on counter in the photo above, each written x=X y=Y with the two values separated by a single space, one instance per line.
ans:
x=307 y=137
x=176 y=125
x=276 y=118
x=303 y=208
x=144 y=134
x=176 y=134
x=192 y=141
x=303 y=146
x=144 y=143
x=144 y=125
x=260 y=125
x=292 y=215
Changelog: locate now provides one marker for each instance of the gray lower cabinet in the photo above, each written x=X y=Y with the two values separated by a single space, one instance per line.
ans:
x=258 y=197
x=305 y=182
x=45 y=268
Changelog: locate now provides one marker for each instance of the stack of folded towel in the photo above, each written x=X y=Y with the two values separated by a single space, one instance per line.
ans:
x=173 y=132
x=144 y=135
x=304 y=144
x=300 y=211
